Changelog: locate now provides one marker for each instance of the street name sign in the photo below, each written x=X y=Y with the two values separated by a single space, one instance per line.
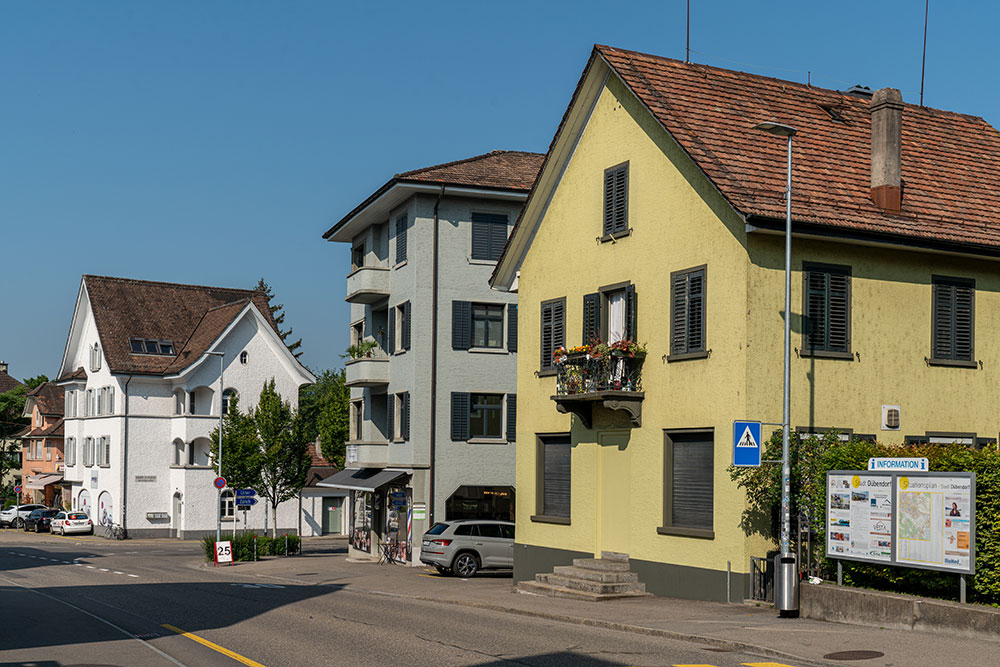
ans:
x=244 y=501
x=915 y=464
x=245 y=493
x=746 y=444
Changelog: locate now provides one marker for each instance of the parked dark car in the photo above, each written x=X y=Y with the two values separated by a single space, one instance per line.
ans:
x=39 y=520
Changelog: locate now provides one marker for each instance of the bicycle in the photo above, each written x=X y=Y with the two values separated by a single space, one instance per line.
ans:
x=114 y=531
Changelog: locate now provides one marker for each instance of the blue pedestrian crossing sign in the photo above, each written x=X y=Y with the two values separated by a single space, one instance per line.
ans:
x=746 y=444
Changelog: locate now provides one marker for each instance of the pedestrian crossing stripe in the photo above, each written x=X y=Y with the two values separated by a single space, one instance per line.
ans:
x=747 y=439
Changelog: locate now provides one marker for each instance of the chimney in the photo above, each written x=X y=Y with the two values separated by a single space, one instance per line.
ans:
x=887 y=121
x=3 y=366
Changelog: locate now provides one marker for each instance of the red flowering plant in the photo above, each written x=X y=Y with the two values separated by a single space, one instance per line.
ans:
x=627 y=348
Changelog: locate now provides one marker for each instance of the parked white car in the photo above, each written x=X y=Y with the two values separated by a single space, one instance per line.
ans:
x=71 y=522
x=15 y=516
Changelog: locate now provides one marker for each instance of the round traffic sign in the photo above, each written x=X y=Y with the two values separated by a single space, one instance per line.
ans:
x=220 y=483
x=17 y=489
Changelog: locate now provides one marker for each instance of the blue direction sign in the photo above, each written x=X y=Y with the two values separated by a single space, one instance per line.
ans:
x=245 y=501
x=746 y=444
x=245 y=493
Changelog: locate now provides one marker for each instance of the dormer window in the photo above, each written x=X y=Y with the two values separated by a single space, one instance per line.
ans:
x=151 y=347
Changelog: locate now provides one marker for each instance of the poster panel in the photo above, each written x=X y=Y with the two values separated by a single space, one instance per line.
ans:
x=361 y=521
x=936 y=524
x=859 y=516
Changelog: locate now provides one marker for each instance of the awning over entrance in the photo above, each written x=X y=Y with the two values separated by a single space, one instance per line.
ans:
x=41 y=481
x=362 y=479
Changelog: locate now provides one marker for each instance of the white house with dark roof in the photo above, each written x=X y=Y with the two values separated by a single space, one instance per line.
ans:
x=147 y=369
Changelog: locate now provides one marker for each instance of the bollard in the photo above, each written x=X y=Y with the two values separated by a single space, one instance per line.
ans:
x=286 y=544
x=255 y=548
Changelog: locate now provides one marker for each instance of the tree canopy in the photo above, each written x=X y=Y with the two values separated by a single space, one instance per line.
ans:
x=324 y=409
x=278 y=313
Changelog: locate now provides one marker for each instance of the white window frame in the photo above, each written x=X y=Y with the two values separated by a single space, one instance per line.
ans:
x=104 y=452
x=70 y=451
x=95 y=357
x=227 y=505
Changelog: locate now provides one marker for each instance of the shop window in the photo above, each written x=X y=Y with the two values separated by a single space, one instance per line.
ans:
x=480 y=502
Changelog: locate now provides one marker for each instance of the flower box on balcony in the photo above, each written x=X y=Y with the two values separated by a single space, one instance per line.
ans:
x=610 y=379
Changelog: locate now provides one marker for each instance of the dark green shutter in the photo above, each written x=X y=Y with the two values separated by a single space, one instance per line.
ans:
x=553 y=331
x=556 y=475
x=964 y=296
x=631 y=313
x=616 y=199
x=678 y=313
x=404 y=421
x=498 y=237
x=405 y=335
x=511 y=417
x=392 y=330
x=390 y=405
x=953 y=333
x=489 y=235
x=696 y=311
x=480 y=239
x=400 y=239
x=512 y=327
x=459 y=416
x=839 y=312
x=591 y=317
x=461 y=325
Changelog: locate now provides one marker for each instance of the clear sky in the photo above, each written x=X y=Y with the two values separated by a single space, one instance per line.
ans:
x=214 y=142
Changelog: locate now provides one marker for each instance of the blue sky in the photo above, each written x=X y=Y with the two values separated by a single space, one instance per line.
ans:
x=214 y=142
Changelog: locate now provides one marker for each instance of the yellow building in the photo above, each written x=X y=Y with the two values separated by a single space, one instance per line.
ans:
x=658 y=216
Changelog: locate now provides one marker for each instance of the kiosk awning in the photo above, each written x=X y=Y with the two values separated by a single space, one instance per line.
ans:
x=362 y=479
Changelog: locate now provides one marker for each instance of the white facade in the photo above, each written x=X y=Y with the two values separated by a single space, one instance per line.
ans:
x=163 y=471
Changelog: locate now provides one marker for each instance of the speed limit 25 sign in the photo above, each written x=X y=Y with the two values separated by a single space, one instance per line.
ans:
x=223 y=552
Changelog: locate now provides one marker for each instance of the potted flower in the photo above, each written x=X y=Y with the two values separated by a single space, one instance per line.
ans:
x=362 y=350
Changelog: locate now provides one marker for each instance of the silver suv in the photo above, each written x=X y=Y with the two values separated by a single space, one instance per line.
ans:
x=465 y=546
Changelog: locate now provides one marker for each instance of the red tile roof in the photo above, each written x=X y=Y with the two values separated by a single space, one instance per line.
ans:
x=49 y=397
x=7 y=382
x=52 y=430
x=190 y=316
x=950 y=161
x=78 y=374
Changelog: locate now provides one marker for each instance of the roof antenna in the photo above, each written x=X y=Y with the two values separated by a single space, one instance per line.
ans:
x=923 y=61
x=687 y=51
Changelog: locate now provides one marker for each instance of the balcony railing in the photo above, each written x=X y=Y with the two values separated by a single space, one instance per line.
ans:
x=368 y=371
x=368 y=284
x=614 y=382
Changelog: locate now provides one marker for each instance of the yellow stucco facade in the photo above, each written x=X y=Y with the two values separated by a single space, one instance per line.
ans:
x=678 y=220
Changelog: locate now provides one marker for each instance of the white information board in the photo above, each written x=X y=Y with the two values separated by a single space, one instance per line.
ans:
x=223 y=552
x=859 y=516
x=936 y=526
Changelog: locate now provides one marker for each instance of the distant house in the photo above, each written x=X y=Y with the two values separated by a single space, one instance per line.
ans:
x=324 y=510
x=147 y=370
x=42 y=462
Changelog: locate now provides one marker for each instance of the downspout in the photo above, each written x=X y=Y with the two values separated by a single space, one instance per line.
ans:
x=434 y=367
x=125 y=460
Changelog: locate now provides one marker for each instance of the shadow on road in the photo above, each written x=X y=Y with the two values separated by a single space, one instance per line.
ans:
x=560 y=659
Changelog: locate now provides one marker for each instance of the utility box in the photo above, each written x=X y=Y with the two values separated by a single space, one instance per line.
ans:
x=786 y=584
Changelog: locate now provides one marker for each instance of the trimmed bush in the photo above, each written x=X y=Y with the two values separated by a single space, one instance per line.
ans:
x=813 y=457
x=243 y=546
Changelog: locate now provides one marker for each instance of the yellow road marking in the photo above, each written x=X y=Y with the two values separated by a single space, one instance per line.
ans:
x=215 y=647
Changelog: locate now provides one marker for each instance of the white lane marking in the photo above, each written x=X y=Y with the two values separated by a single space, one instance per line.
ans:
x=102 y=620
x=66 y=561
x=103 y=569
x=116 y=572
x=134 y=575
x=90 y=567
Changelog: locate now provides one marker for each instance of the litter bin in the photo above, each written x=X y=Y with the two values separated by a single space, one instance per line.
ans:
x=786 y=585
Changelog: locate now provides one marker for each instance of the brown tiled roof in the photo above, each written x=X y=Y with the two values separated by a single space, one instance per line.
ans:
x=507 y=170
x=320 y=468
x=317 y=457
x=52 y=430
x=189 y=316
x=49 y=398
x=7 y=382
x=78 y=374
x=497 y=170
x=950 y=161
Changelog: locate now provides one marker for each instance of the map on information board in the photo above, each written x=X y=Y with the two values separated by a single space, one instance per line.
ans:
x=936 y=527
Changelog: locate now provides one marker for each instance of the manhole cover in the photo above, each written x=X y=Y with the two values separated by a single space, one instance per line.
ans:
x=854 y=655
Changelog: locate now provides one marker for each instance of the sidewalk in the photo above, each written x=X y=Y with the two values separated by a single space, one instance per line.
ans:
x=798 y=642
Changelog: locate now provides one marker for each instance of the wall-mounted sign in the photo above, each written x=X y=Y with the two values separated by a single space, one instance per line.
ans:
x=145 y=478
x=893 y=464
x=746 y=444
x=419 y=511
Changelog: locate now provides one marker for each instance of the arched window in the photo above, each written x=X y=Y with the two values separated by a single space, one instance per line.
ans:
x=227 y=395
x=179 y=457
x=244 y=357
x=200 y=401
x=227 y=504
x=201 y=449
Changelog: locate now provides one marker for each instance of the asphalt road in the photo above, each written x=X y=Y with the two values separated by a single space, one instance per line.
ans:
x=71 y=601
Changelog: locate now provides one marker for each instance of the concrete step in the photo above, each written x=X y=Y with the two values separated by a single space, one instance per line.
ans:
x=590 y=586
x=601 y=564
x=614 y=555
x=551 y=590
x=605 y=576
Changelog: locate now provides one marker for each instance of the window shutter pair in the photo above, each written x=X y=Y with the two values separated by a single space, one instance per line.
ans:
x=512 y=327
x=616 y=199
x=461 y=325
x=460 y=416
x=953 y=327
x=827 y=309
x=511 y=417
x=489 y=235
x=401 y=239
x=553 y=331
x=687 y=312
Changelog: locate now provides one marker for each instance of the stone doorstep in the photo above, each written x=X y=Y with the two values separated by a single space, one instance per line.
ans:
x=601 y=564
x=614 y=555
x=591 y=586
x=604 y=576
x=552 y=590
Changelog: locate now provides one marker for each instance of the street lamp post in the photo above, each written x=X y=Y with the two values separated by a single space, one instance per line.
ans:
x=786 y=591
x=222 y=390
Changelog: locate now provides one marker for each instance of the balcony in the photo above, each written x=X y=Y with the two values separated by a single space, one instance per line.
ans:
x=611 y=379
x=368 y=284
x=368 y=371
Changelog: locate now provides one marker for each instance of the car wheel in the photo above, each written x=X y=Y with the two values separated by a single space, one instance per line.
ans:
x=466 y=565
x=38 y=527
x=442 y=570
x=18 y=523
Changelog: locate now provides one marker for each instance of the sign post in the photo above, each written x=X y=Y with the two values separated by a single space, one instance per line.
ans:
x=746 y=444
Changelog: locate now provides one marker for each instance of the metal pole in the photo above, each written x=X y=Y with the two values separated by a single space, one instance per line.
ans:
x=222 y=389
x=961 y=588
x=840 y=573
x=786 y=472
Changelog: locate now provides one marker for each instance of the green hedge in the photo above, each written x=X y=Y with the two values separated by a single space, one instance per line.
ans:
x=243 y=546
x=813 y=457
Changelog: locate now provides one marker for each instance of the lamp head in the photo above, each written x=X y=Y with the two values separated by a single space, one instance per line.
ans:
x=776 y=129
